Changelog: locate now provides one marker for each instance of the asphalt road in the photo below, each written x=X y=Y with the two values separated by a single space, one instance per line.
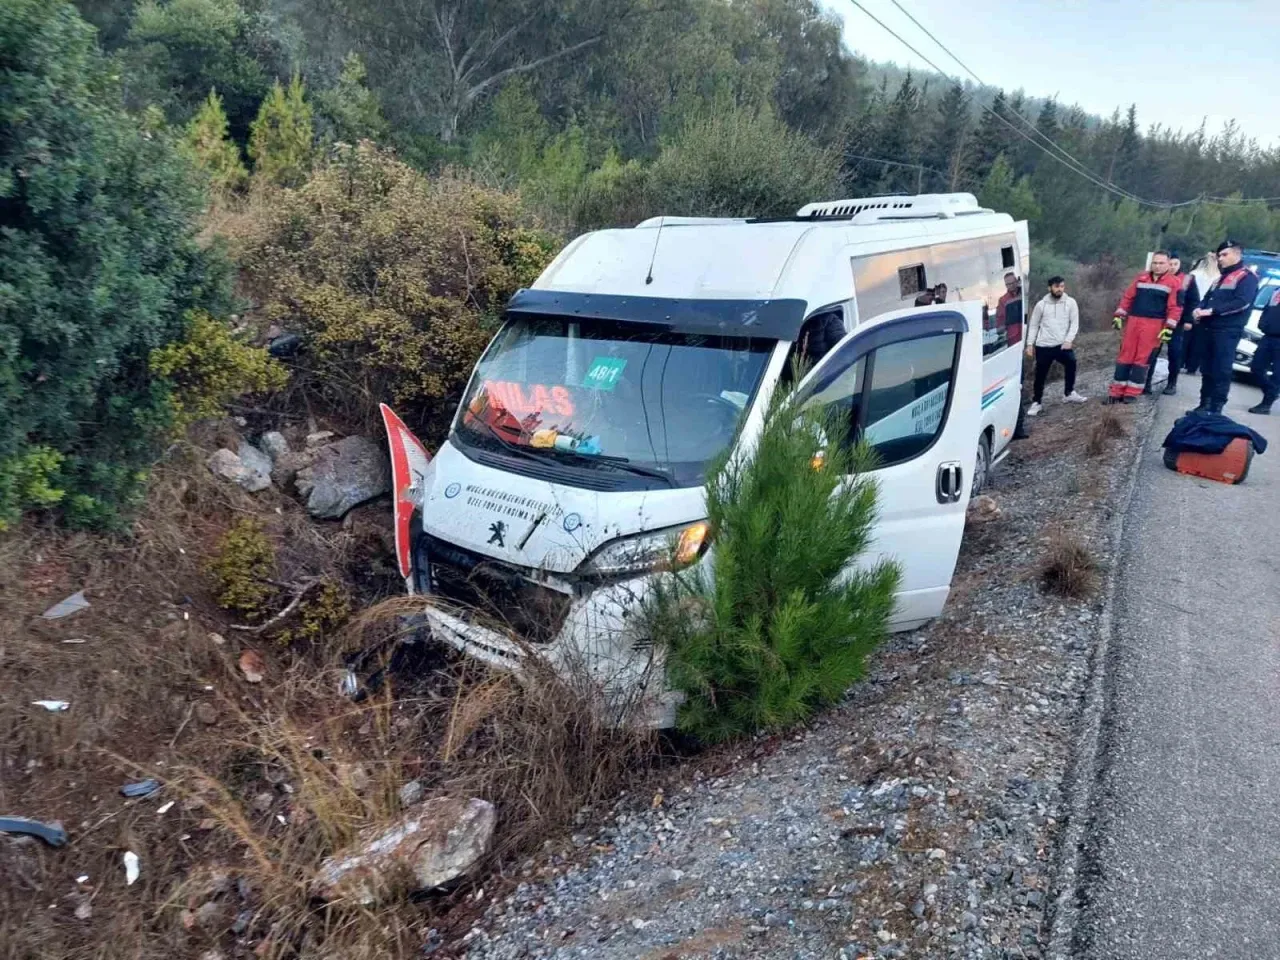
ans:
x=1183 y=849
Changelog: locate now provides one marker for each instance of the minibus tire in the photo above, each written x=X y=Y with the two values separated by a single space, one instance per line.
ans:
x=981 y=466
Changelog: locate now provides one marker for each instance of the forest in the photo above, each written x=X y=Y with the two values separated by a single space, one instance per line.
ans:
x=187 y=156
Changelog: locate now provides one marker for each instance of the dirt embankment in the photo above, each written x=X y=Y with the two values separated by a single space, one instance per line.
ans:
x=955 y=743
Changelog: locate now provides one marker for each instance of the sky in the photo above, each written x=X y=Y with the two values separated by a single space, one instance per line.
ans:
x=1180 y=61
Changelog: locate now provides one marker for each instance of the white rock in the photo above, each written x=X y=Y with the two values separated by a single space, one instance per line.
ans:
x=273 y=444
x=438 y=841
x=228 y=466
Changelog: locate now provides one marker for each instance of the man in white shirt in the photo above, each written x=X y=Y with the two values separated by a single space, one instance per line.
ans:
x=1051 y=335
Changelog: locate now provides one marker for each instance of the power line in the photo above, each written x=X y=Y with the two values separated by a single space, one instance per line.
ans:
x=1084 y=173
x=1062 y=156
x=1035 y=131
x=910 y=166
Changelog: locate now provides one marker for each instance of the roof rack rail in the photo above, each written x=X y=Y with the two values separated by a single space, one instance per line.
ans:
x=923 y=206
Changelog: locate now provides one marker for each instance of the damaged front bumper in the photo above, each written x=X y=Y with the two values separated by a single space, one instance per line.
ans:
x=601 y=642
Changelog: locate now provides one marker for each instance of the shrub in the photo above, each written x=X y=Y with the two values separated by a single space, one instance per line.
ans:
x=319 y=616
x=1068 y=567
x=98 y=267
x=280 y=138
x=210 y=368
x=1109 y=426
x=740 y=162
x=783 y=626
x=210 y=149
x=242 y=569
x=396 y=279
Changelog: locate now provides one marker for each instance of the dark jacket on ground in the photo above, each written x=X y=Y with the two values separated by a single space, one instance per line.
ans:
x=1210 y=433
x=1270 y=322
x=1230 y=297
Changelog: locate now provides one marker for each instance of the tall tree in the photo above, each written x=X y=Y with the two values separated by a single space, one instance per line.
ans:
x=947 y=145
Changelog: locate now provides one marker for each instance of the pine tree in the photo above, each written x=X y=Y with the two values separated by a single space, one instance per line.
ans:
x=899 y=137
x=948 y=144
x=1005 y=191
x=207 y=144
x=993 y=138
x=280 y=138
x=350 y=108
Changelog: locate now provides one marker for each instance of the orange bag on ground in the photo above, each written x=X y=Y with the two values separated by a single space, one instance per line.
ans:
x=1229 y=466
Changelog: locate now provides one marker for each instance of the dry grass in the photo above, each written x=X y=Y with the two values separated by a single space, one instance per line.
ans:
x=1068 y=567
x=1110 y=425
x=267 y=779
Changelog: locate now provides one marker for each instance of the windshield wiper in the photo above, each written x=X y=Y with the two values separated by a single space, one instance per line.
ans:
x=622 y=463
x=532 y=453
x=503 y=442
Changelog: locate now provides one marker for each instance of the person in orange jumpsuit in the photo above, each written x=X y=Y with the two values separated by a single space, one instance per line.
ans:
x=1148 y=314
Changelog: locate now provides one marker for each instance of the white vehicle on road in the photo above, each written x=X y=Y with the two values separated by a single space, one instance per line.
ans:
x=579 y=453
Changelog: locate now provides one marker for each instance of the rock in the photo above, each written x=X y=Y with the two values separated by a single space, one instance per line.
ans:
x=84 y=911
x=207 y=713
x=288 y=464
x=212 y=917
x=228 y=466
x=262 y=802
x=984 y=509
x=253 y=666
x=411 y=793
x=354 y=777
x=273 y=444
x=255 y=460
x=968 y=920
x=435 y=843
x=318 y=439
x=344 y=474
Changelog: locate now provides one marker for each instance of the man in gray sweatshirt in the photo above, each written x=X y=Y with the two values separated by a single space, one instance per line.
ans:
x=1051 y=335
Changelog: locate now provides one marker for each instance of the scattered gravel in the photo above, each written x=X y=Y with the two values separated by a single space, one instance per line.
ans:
x=916 y=819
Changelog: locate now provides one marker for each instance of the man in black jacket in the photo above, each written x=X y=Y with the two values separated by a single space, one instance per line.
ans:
x=1266 y=359
x=1188 y=299
x=1222 y=315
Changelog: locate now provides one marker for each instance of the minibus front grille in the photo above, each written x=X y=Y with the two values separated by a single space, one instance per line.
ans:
x=493 y=593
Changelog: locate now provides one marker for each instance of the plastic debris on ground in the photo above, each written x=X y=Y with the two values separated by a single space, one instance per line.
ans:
x=51 y=833
x=253 y=666
x=131 y=868
x=140 y=788
x=53 y=706
x=65 y=608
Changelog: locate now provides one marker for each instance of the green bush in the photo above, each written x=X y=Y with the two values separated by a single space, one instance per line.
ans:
x=740 y=162
x=210 y=368
x=783 y=626
x=99 y=267
x=242 y=570
x=395 y=278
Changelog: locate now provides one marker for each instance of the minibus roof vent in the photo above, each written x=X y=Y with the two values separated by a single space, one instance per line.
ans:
x=925 y=206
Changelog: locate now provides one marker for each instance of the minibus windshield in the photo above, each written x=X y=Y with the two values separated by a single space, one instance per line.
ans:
x=603 y=394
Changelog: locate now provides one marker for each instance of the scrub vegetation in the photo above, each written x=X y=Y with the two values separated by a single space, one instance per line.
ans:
x=785 y=625
x=183 y=181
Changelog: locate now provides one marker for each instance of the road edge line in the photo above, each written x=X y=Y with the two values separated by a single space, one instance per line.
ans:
x=1081 y=779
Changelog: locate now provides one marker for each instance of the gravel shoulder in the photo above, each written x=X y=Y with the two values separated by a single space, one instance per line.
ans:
x=919 y=818
x=1183 y=845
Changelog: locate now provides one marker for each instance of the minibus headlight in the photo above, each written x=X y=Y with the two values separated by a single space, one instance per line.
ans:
x=671 y=548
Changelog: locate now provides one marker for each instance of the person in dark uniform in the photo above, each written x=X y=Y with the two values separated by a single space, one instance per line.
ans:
x=1222 y=316
x=1266 y=360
